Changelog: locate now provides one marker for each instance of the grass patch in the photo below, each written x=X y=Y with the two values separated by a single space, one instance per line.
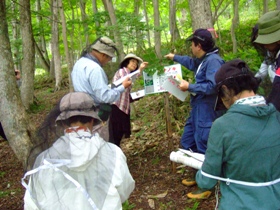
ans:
x=127 y=206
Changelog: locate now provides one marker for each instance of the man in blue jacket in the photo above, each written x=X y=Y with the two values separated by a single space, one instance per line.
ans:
x=205 y=64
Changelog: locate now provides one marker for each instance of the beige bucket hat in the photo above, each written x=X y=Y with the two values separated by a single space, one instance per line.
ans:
x=131 y=55
x=105 y=45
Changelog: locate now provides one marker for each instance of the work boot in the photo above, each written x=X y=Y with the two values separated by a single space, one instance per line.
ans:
x=191 y=180
x=199 y=194
x=188 y=182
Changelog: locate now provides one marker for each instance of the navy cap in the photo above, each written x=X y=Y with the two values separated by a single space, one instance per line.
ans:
x=201 y=35
x=204 y=37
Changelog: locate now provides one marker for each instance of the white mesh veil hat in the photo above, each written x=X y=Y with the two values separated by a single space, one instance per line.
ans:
x=77 y=104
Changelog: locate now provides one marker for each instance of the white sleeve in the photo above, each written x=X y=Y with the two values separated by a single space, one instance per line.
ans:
x=262 y=73
x=28 y=202
x=124 y=182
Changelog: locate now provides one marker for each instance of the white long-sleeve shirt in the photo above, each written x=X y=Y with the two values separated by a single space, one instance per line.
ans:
x=88 y=76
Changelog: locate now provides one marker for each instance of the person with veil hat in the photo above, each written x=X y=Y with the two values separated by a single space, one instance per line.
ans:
x=120 y=116
x=80 y=170
x=89 y=76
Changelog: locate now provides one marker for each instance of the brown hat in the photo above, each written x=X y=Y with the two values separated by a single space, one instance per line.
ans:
x=77 y=104
x=231 y=69
x=105 y=45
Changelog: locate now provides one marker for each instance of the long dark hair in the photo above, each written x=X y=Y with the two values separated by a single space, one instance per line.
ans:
x=126 y=62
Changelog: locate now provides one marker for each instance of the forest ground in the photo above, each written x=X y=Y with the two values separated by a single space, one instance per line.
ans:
x=158 y=180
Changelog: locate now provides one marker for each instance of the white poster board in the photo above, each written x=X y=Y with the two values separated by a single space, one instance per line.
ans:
x=154 y=83
x=171 y=84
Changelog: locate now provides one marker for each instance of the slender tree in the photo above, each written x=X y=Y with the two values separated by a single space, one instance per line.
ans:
x=69 y=57
x=84 y=17
x=28 y=52
x=13 y=116
x=116 y=32
x=172 y=21
x=234 y=24
x=55 y=46
x=147 y=23
x=157 y=32
x=41 y=48
x=95 y=11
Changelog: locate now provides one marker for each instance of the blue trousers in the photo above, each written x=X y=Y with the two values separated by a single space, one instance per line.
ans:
x=197 y=127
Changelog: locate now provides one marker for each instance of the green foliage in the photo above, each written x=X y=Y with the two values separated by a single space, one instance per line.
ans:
x=165 y=206
x=127 y=206
x=4 y=193
x=195 y=206
x=156 y=160
x=36 y=108
x=42 y=79
x=2 y=174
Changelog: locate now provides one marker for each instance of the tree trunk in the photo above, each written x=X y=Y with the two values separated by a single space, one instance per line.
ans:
x=234 y=24
x=139 y=39
x=117 y=35
x=265 y=6
x=45 y=63
x=172 y=22
x=97 y=24
x=200 y=14
x=16 y=34
x=41 y=48
x=55 y=46
x=157 y=33
x=278 y=4
x=12 y=113
x=147 y=23
x=69 y=59
x=84 y=20
x=28 y=52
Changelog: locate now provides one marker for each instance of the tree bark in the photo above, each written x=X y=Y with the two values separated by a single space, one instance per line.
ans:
x=157 y=32
x=172 y=22
x=84 y=19
x=200 y=14
x=55 y=46
x=97 y=24
x=117 y=35
x=41 y=48
x=137 y=32
x=28 y=52
x=234 y=24
x=16 y=35
x=265 y=6
x=147 y=23
x=12 y=113
x=69 y=59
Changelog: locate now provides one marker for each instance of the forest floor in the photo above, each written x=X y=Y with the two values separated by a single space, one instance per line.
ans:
x=158 y=180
